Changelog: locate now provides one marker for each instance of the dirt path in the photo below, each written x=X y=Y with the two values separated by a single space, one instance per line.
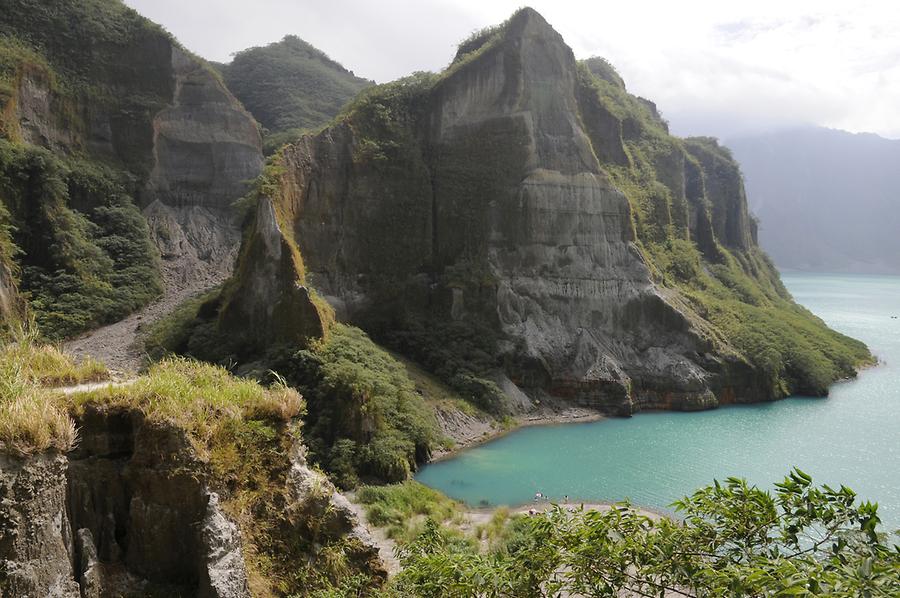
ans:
x=198 y=248
x=88 y=387
x=385 y=545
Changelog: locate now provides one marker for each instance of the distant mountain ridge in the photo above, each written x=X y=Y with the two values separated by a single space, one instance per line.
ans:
x=290 y=85
x=827 y=200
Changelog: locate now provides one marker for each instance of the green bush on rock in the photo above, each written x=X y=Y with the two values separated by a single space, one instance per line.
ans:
x=83 y=247
x=365 y=416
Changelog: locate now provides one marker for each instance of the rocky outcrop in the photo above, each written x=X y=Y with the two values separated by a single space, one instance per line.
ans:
x=36 y=543
x=493 y=193
x=313 y=498
x=271 y=302
x=141 y=512
x=132 y=512
x=205 y=145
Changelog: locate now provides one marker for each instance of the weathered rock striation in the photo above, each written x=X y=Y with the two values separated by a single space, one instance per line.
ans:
x=528 y=192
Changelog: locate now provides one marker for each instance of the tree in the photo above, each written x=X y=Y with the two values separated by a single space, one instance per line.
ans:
x=732 y=539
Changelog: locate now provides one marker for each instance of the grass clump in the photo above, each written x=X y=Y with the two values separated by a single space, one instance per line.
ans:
x=402 y=508
x=34 y=418
x=48 y=366
x=31 y=419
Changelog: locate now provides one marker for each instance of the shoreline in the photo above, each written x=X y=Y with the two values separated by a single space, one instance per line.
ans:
x=572 y=505
x=571 y=414
x=567 y=415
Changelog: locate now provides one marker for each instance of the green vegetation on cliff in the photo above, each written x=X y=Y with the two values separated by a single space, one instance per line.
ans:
x=83 y=255
x=82 y=247
x=228 y=435
x=401 y=509
x=699 y=240
x=365 y=420
x=34 y=418
x=365 y=417
x=290 y=86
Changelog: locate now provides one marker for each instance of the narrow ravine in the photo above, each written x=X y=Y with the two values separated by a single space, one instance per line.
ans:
x=198 y=248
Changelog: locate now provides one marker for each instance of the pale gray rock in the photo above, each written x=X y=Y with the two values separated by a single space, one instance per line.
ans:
x=36 y=549
x=225 y=568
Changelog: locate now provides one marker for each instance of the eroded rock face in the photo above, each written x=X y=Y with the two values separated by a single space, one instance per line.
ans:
x=36 y=544
x=312 y=498
x=206 y=146
x=160 y=117
x=130 y=513
x=493 y=174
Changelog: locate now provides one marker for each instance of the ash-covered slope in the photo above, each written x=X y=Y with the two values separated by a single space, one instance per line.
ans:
x=521 y=223
x=103 y=114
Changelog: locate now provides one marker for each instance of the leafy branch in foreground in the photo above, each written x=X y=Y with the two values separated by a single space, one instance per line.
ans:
x=734 y=540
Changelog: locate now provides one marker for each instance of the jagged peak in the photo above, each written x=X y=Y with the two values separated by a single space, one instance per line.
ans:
x=524 y=21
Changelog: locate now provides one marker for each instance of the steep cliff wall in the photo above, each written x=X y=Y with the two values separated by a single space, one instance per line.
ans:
x=102 y=88
x=519 y=199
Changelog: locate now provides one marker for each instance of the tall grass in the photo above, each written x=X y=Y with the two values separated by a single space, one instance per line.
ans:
x=47 y=365
x=197 y=397
x=33 y=418
x=401 y=508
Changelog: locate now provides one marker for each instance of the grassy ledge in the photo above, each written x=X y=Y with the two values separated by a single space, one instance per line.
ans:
x=196 y=397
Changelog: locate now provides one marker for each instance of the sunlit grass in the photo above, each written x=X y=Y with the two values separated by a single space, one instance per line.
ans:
x=401 y=508
x=196 y=397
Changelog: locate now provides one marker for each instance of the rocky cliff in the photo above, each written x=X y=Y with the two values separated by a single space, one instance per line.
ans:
x=110 y=94
x=527 y=202
x=145 y=505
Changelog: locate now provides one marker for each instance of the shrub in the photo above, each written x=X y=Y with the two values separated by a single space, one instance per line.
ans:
x=84 y=249
x=365 y=416
x=396 y=507
x=734 y=540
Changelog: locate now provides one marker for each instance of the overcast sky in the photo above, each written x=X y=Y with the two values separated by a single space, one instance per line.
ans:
x=712 y=66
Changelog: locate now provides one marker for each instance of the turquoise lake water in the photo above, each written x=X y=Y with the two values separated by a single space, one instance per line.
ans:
x=852 y=437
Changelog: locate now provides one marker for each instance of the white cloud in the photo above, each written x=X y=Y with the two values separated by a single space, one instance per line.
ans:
x=712 y=66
